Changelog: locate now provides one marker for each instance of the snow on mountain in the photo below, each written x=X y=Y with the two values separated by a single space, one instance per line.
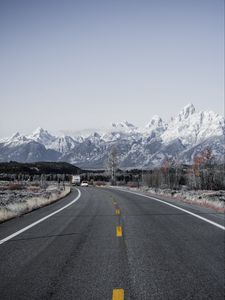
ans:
x=183 y=137
x=115 y=136
x=80 y=135
x=63 y=144
x=154 y=128
x=155 y=122
x=119 y=131
x=15 y=140
x=124 y=126
x=214 y=143
x=186 y=112
x=193 y=127
x=42 y=136
x=20 y=148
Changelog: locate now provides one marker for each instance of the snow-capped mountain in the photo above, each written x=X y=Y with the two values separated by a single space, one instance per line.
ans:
x=42 y=136
x=15 y=140
x=124 y=126
x=193 y=127
x=155 y=123
x=23 y=149
x=183 y=137
x=63 y=144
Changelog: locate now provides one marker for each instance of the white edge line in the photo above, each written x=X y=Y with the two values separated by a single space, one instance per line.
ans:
x=177 y=207
x=39 y=221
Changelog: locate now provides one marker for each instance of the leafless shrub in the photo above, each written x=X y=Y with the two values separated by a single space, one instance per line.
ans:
x=15 y=186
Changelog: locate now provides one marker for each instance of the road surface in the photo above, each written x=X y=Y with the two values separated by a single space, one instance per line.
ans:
x=111 y=244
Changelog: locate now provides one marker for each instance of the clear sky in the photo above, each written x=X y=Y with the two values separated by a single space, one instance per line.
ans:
x=84 y=64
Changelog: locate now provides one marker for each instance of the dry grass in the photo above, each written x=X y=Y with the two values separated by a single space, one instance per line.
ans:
x=187 y=197
x=16 y=209
x=99 y=183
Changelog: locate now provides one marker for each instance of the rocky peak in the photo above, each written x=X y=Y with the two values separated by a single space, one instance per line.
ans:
x=15 y=136
x=123 y=126
x=186 y=112
x=42 y=136
x=156 y=121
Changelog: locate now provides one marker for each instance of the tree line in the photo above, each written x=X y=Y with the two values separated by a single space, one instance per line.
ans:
x=205 y=174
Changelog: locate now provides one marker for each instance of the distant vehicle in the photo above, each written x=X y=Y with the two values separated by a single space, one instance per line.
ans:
x=84 y=183
x=75 y=180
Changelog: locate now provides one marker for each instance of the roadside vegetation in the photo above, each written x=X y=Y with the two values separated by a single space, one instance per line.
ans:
x=22 y=197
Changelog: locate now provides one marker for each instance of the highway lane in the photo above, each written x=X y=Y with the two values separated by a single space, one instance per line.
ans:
x=163 y=253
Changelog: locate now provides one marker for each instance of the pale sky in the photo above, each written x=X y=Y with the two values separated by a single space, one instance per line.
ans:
x=84 y=64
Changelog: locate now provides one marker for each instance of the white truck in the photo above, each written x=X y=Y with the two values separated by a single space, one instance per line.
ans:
x=75 y=180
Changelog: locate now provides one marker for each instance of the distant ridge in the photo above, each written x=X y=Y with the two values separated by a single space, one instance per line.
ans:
x=182 y=138
x=39 y=168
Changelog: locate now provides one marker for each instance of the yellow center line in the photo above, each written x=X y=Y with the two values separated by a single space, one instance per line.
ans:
x=117 y=211
x=118 y=294
x=119 y=231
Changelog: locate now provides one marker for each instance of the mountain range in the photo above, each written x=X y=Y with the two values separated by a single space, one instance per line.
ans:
x=181 y=139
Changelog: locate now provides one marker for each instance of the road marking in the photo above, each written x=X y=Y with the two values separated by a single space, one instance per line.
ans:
x=119 y=231
x=117 y=211
x=118 y=294
x=179 y=208
x=39 y=221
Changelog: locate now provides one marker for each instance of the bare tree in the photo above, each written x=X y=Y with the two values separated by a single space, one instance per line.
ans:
x=201 y=173
x=112 y=164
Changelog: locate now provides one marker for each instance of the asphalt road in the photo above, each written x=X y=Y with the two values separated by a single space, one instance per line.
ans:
x=162 y=253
